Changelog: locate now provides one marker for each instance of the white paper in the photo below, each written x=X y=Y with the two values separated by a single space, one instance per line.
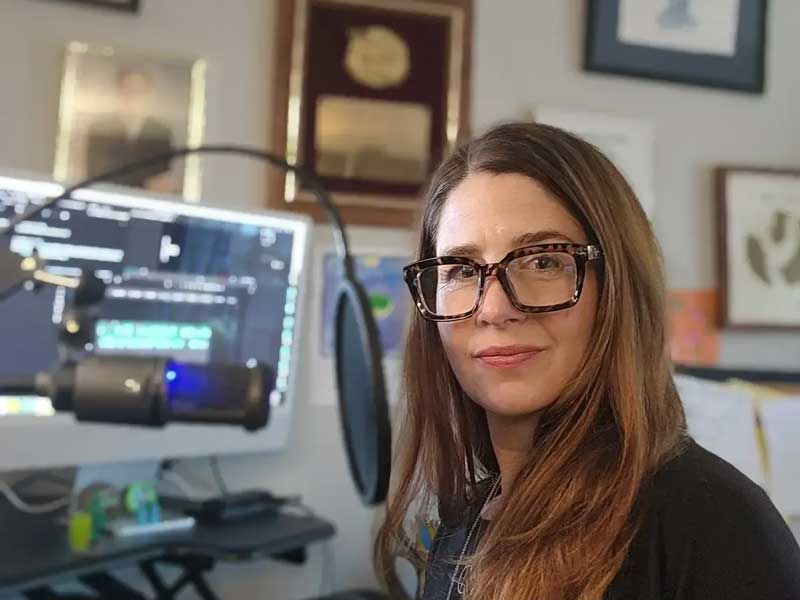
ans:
x=780 y=420
x=697 y=26
x=723 y=421
x=628 y=142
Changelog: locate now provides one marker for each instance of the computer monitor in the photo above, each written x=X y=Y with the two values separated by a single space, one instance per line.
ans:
x=191 y=282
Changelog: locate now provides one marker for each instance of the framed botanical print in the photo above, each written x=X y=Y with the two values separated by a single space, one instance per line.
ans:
x=759 y=247
x=371 y=95
x=713 y=43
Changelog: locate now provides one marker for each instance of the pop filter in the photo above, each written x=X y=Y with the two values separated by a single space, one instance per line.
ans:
x=362 y=391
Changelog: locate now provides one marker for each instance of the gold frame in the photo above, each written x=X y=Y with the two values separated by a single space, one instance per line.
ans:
x=358 y=208
x=192 y=175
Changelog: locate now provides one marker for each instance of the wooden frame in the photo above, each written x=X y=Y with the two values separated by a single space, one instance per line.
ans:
x=739 y=67
x=778 y=310
x=383 y=203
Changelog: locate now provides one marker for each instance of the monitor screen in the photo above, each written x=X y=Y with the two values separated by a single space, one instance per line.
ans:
x=194 y=283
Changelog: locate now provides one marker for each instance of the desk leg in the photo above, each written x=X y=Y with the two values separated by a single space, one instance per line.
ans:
x=149 y=569
x=110 y=587
x=194 y=570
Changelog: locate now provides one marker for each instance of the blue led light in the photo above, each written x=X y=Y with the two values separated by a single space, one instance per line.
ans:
x=171 y=375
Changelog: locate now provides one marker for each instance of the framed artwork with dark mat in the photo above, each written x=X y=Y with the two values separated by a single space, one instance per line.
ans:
x=718 y=43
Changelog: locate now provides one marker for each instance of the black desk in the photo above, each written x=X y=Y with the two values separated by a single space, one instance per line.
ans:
x=35 y=553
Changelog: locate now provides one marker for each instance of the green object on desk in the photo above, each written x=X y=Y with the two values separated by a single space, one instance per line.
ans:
x=97 y=513
x=80 y=531
x=139 y=493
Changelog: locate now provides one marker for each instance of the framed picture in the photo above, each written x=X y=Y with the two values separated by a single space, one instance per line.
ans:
x=718 y=43
x=121 y=5
x=371 y=95
x=759 y=247
x=119 y=106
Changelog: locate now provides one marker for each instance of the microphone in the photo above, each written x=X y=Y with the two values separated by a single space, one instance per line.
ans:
x=154 y=391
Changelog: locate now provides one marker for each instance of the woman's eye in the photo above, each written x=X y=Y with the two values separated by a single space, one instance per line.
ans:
x=546 y=263
x=460 y=273
x=541 y=263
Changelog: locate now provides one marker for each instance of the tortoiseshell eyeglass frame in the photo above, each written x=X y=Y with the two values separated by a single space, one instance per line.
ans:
x=582 y=254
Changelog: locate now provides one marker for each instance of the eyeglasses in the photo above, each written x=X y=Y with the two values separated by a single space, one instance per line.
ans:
x=537 y=279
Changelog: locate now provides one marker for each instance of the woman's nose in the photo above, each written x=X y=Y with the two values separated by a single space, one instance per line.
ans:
x=496 y=307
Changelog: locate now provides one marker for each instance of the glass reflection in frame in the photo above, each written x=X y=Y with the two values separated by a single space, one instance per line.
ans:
x=119 y=107
x=394 y=148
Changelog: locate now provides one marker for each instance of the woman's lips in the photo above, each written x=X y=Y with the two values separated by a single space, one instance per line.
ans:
x=504 y=357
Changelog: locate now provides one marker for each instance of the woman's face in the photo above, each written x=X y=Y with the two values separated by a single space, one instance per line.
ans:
x=486 y=217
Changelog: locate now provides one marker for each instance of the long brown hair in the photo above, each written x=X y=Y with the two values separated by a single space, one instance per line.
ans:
x=576 y=505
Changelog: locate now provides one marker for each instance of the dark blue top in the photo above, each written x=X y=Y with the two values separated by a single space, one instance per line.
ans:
x=709 y=533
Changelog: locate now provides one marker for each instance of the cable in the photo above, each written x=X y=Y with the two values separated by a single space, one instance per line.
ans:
x=41 y=476
x=213 y=462
x=32 y=509
x=178 y=481
x=306 y=176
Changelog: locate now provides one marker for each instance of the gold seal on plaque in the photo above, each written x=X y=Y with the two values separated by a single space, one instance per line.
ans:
x=377 y=57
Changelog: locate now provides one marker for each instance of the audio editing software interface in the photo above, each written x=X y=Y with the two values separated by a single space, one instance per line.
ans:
x=191 y=287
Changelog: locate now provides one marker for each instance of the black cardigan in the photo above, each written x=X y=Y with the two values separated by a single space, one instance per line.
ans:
x=709 y=533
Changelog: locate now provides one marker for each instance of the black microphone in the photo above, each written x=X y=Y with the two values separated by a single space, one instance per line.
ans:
x=154 y=391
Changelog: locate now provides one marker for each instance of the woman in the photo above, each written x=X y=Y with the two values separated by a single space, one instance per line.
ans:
x=542 y=418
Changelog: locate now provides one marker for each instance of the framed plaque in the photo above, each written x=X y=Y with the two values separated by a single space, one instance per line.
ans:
x=371 y=95
x=759 y=247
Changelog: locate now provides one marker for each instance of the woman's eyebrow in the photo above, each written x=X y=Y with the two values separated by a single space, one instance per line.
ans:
x=525 y=239
x=539 y=237
x=468 y=250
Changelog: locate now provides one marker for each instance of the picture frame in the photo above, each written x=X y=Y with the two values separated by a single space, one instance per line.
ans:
x=371 y=95
x=720 y=44
x=130 y=6
x=758 y=212
x=120 y=105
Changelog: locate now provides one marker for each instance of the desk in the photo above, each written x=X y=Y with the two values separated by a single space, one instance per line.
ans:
x=35 y=554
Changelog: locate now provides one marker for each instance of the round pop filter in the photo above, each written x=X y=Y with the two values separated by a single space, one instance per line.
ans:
x=362 y=392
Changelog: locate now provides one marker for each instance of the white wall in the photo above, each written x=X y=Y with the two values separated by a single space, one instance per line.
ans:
x=526 y=52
